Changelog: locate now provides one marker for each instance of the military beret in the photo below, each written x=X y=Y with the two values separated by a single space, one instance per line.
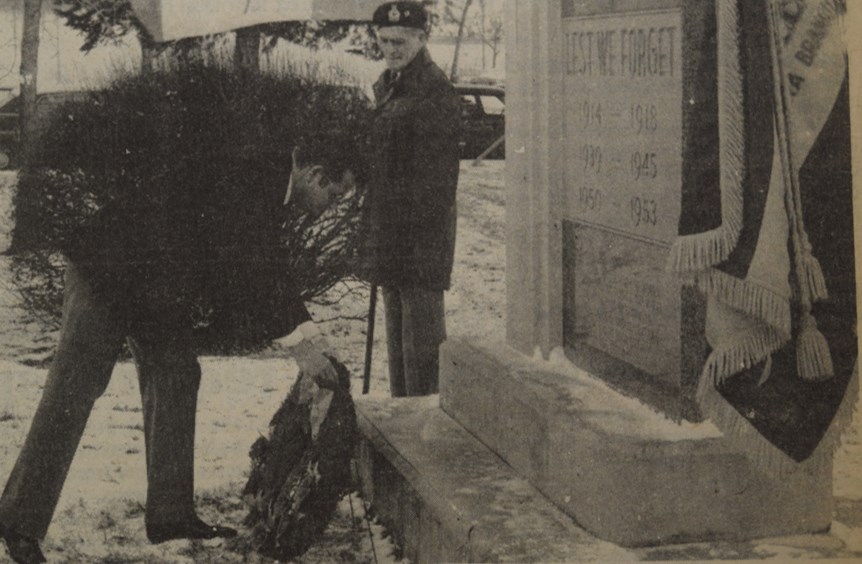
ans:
x=402 y=14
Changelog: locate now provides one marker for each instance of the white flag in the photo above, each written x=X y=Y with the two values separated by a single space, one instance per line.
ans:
x=168 y=20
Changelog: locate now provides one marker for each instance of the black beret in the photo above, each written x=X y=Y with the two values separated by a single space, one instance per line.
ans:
x=402 y=14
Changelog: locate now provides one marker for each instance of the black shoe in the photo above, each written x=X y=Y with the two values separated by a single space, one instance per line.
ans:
x=22 y=549
x=194 y=529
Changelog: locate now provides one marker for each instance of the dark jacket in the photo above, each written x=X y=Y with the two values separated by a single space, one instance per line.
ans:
x=409 y=217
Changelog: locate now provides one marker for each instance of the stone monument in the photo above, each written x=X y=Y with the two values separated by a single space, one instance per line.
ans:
x=624 y=81
x=612 y=110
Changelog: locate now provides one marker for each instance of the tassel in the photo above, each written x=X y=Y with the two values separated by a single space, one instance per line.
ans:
x=813 y=359
x=814 y=276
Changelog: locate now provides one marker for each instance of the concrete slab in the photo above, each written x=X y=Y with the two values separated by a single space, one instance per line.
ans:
x=446 y=497
x=621 y=470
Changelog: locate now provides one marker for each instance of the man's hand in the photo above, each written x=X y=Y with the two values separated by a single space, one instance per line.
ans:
x=308 y=347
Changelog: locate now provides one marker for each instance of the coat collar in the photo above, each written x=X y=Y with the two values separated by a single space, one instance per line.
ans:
x=391 y=83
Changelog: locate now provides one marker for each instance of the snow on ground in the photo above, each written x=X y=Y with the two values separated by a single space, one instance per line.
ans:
x=100 y=514
x=7 y=187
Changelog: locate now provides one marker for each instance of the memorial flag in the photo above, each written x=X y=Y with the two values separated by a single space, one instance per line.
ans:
x=776 y=259
x=169 y=20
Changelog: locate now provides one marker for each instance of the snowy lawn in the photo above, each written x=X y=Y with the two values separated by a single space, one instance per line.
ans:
x=100 y=515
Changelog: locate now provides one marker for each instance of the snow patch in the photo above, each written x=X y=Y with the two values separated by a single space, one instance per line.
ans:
x=8 y=181
x=624 y=414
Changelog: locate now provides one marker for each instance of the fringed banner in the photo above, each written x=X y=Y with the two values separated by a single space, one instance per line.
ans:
x=778 y=271
x=697 y=251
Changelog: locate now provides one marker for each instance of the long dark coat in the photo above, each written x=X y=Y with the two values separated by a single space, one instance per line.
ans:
x=410 y=213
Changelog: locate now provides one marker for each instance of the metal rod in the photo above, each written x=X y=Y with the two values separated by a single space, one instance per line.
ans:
x=487 y=151
x=369 y=339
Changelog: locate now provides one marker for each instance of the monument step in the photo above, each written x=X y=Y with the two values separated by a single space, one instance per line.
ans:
x=621 y=470
x=446 y=497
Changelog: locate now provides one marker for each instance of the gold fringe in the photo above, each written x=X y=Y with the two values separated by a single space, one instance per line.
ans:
x=702 y=250
x=764 y=455
x=743 y=351
x=813 y=359
x=746 y=297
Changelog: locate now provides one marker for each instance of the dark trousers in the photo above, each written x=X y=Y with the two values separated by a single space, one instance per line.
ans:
x=415 y=327
x=169 y=377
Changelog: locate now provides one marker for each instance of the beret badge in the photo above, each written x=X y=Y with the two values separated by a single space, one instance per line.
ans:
x=399 y=14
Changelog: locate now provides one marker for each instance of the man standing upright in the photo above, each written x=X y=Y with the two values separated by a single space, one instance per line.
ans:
x=410 y=213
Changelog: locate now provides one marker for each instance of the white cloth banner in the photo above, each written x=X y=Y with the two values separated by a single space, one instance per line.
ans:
x=168 y=20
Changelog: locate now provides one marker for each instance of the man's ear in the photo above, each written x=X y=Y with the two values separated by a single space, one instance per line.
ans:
x=294 y=159
x=348 y=179
x=346 y=184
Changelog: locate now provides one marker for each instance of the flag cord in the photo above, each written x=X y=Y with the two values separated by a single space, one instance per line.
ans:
x=814 y=359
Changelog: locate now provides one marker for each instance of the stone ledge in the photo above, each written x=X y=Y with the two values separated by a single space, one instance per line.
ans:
x=618 y=468
x=446 y=497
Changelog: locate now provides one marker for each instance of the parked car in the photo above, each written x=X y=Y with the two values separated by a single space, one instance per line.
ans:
x=483 y=121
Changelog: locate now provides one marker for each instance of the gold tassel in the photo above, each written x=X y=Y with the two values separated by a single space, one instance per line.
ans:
x=813 y=359
x=814 y=275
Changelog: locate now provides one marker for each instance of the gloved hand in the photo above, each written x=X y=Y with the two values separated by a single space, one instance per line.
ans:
x=316 y=381
x=313 y=363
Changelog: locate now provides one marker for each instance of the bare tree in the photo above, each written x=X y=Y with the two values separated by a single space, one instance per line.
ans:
x=246 y=53
x=456 y=11
x=28 y=73
x=492 y=36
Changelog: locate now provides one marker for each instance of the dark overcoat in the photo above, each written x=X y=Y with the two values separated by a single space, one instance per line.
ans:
x=409 y=216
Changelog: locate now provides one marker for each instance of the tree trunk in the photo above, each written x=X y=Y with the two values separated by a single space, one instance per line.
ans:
x=482 y=4
x=28 y=73
x=147 y=56
x=453 y=74
x=246 y=52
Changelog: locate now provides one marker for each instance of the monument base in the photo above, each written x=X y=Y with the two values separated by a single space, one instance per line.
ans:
x=622 y=471
x=445 y=497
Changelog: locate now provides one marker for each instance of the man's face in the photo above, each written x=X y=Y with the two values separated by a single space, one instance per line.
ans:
x=400 y=45
x=314 y=193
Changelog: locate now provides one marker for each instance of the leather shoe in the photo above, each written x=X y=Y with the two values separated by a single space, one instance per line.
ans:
x=194 y=529
x=22 y=549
